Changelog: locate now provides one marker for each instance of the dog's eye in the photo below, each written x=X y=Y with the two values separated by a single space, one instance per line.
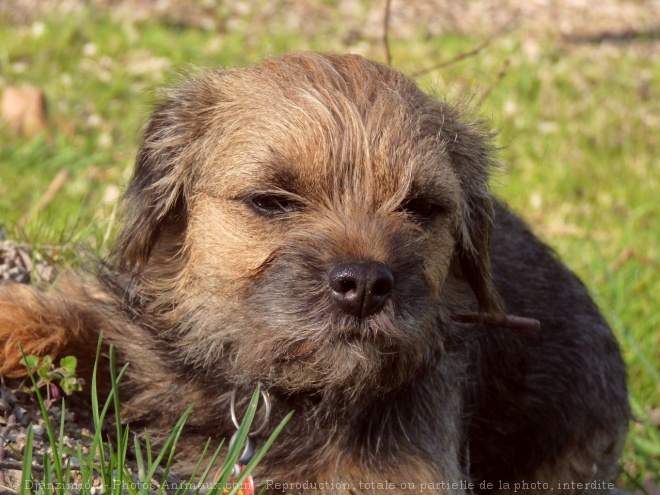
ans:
x=421 y=209
x=272 y=204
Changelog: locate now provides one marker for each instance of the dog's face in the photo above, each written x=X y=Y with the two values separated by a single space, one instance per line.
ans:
x=295 y=223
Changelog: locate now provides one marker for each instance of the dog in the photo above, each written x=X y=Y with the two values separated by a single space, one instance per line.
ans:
x=318 y=225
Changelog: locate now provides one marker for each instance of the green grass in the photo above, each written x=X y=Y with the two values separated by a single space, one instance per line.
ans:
x=103 y=462
x=579 y=127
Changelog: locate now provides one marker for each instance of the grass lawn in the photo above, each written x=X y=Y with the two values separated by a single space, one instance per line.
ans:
x=579 y=133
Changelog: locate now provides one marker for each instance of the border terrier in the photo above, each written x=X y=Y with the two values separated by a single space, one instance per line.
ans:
x=319 y=225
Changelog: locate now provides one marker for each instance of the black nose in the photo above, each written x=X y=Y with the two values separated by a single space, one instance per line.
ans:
x=361 y=288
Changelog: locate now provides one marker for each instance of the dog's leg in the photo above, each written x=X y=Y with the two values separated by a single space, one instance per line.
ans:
x=58 y=323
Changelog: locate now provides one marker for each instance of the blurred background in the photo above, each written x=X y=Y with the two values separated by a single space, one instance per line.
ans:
x=573 y=86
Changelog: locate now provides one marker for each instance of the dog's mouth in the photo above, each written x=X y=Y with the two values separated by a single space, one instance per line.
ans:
x=308 y=344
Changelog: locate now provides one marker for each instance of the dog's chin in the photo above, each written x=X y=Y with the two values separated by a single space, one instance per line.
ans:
x=302 y=343
x=342 y=358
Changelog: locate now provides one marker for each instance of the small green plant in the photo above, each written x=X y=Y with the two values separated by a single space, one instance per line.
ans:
x=102 y=465
x=54 y=379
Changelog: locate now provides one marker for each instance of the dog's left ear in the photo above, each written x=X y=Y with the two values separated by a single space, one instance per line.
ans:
x=155 y=203
x=470 y=152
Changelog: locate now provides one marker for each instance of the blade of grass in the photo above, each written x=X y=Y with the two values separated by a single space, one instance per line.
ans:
x=260 y=454
x=99 y=418
x=236 y=447
x=26 y=474
x=120 y=436
x=97 y=443
x=239 y=444
x=122 y=468
x=164 y=482
x=208 y=469
x=86 y=466
x=60 y=443
x=138 y=458
x=172 y=449
x=67 y=474
x=147 y=445
x=110 y=487
x=171 y=441
x=48 y=474
x=197 y=466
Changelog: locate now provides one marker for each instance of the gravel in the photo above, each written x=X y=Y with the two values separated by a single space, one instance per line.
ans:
x=24 y=264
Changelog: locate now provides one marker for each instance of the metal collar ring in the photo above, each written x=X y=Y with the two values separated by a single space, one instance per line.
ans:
x=267 y=405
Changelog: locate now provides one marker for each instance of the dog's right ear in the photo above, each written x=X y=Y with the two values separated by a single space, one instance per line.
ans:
x=156 y=194
x=468 y=144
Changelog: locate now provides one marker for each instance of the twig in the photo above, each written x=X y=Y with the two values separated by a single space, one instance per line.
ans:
x=471 y=53
x=505 y=321
x=386 y=32
x=453 y=60
x=53 y=188
x=496 y=80
x=18 y=466
x=628 y=254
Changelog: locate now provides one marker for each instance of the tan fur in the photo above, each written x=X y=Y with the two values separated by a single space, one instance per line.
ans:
x=44 y=326
x=251 y=187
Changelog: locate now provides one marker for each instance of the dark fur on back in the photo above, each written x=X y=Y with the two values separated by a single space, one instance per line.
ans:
x=207 y=290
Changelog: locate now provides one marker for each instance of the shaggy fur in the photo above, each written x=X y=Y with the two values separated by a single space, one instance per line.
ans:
x=249 y=187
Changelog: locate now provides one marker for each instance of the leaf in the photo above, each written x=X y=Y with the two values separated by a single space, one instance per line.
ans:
x=44 y=371
x=70 y=385
x=66 y=386
x=69 y=364
x=30 y=361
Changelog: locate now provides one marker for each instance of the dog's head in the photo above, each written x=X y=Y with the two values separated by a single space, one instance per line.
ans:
x=296 y=222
